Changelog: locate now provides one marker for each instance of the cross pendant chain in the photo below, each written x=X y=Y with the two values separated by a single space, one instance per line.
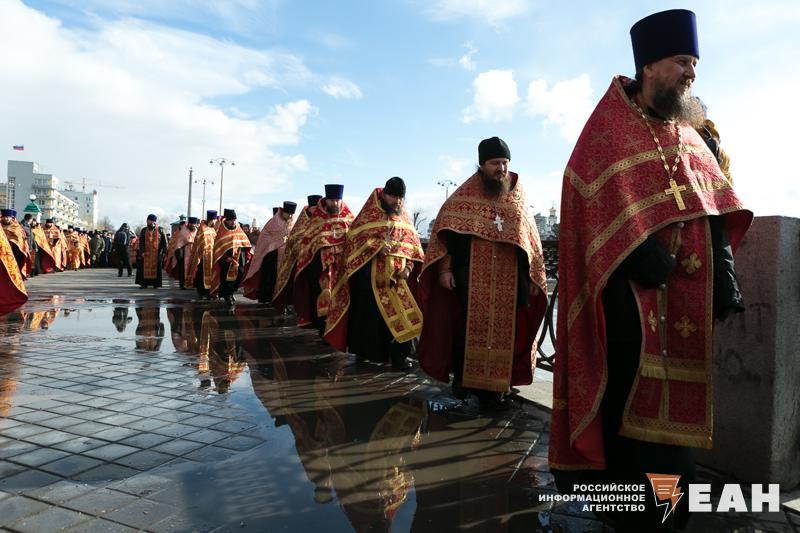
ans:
x=498 y=222
x=674 y=189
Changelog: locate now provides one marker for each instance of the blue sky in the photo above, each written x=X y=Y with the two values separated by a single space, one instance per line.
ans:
x=302 y=93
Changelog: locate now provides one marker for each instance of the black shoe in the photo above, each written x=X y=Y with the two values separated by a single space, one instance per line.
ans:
x=229 y=301
x=120 y=275
x=493 y=401
x=401 y=363
x=459 y=392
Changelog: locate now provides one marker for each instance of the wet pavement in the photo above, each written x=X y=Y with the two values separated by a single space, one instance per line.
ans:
x=125 y=409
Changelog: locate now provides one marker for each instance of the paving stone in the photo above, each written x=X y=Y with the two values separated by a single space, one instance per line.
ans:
x=60 y=492
x=49 y=438
x=209 y=454
x=207 y=436
x=175 y=430
x=79 y=444
x=146 y=440
x=9 y=469
x=53 y=519
x=239 y=443
x=62 y=422
x=39 y=457
x=178 y=447
x=120 y=419
x=15 y=507
x=15 y=447
x=144 y=460
x=98 y=402
x=89 y=429
x=35 y=416
x=110 y=452
x=116 y=434
x=232 y=426
x=101 y=502
x=69 y=466
x=46 y=405
x=147 y=424
x=141 y=514
x=8 y=423
x=24 y=430
x=94 y=414
x=100 y=525
x=27 y=480
x=105 y=473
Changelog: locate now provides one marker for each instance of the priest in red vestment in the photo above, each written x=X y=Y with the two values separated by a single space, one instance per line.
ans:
x=231 y=254
x=649 y=224
x=18 y=241
x=283 y=293
x=483 y=287
x=373 y=312
x=12 y=287
x=318 y=258
x=152 y=247
x=262 y=272
x=200 y=271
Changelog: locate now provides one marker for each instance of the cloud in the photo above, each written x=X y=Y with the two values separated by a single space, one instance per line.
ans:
x=495 y=97
x=342 y=88
x=129 y=104
x=248 y=17
x=566 y=105
x=466 y=60
x=493 y=12
x=455 y=169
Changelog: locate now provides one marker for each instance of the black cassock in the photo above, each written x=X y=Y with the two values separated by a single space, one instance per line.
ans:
x=227 y=288
x=269 y=274
x=367 y=334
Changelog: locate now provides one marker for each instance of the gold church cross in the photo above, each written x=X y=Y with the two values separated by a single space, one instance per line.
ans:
x=675 y=190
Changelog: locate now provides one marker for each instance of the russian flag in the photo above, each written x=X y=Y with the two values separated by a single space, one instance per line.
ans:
x=19 y=147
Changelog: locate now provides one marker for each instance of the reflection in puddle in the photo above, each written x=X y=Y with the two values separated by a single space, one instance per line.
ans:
x=309 y=439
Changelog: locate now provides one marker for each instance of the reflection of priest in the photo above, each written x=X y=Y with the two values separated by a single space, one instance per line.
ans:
x=482 y=289
x=120 y=318
x=259 y=282
x=150 y=329
x=373 y=312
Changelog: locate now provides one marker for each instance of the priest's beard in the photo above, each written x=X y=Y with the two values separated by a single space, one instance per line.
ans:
x=389 y=209
x=496 y=185
x=680 y=106
x=331 y=209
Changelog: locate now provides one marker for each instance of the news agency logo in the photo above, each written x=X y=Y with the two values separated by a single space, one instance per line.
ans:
x=666 y=492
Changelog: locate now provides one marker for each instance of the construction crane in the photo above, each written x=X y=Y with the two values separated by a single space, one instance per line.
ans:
x=83 y=183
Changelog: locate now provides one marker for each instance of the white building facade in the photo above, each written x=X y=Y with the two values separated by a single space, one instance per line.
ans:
x=25 y=178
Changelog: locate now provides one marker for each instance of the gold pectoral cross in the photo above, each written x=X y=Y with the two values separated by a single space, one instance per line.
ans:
x=675 y=190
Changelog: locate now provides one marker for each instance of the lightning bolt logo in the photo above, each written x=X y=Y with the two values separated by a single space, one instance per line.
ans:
x=666 y=492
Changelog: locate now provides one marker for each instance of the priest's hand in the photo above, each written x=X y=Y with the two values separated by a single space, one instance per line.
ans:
x=447 y=280
x=404 y=274
x=386 y=250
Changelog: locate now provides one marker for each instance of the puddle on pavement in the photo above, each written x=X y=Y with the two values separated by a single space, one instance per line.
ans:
x=346 y=446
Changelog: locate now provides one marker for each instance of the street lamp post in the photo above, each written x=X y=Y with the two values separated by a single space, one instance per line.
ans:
x=203 y=213
x=221 y=161
x=447 y=184
x=189 y=207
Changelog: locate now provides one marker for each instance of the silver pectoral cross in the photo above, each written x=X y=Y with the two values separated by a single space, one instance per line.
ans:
x=498 y=222
x=335 y=232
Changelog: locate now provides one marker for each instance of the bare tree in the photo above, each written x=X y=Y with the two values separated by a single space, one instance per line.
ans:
x=418 y=219
x=105 y=224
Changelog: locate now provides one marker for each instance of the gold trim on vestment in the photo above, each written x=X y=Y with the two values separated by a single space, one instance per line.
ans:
x=491 y=316
x=399 y=310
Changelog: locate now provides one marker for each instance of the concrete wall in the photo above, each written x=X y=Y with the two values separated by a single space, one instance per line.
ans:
x=757 y=362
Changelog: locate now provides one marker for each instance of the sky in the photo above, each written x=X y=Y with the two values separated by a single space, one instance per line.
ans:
x=131 y=94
